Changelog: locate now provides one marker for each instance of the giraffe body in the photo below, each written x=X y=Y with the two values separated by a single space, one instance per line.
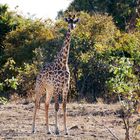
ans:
x=53 y=80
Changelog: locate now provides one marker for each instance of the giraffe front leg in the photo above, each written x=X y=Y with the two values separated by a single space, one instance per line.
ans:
x=64 y=111
x=56 y=115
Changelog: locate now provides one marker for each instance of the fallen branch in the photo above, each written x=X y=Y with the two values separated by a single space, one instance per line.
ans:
x=107 y=129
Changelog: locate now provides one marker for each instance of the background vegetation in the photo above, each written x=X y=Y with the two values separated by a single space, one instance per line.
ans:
x=104 y=57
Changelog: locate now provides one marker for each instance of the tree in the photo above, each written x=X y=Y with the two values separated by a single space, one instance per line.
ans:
x=125 y=84
x=8 y=21
x=23 y=54
x=27 y=36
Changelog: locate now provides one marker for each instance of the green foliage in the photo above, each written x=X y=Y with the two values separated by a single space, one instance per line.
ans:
x=124 y=80
x=138 y=23
x=9 y=81
x=13 y=83
x=125 y=84
x=96 y=46
x=6 y=21
x=27 y=37
x=3 y=100
x=1 y=86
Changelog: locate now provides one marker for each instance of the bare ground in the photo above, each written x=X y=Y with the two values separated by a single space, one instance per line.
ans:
x=85 y=122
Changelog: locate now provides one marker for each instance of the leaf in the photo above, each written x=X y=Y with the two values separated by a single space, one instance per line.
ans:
x=1 y=86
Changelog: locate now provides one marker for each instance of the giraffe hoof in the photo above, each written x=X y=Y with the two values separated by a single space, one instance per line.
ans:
x=66 y=133
x=48 y=132
x=33 y=131
x=57 y=132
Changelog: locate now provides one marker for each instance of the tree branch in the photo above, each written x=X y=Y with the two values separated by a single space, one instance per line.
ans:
x=110 y=131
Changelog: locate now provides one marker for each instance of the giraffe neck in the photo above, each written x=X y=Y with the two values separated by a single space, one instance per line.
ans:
x=62 y=57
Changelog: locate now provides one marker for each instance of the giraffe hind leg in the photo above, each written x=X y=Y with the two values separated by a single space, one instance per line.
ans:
x=37 y=106
x=47 y=103
x=47 y=119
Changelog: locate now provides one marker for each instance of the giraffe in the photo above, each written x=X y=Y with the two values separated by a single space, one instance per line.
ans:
x=53 y=80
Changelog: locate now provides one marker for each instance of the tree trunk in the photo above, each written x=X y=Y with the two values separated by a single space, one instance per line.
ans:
x=126 y=123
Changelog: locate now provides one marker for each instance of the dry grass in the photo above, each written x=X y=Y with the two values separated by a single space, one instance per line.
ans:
x=85 y=122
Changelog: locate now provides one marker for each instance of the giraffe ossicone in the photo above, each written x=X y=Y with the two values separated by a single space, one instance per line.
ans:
x=53 y=80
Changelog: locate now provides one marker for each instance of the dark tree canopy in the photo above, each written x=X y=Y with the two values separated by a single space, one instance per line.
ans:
x=124 y=12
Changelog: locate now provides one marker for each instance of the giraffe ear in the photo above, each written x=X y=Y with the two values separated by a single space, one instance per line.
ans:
x=66 y=19
x=76 y=20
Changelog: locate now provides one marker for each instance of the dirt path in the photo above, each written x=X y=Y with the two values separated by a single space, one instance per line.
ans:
x=16 y=122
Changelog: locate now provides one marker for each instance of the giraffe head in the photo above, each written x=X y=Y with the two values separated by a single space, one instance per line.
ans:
x=71 y=21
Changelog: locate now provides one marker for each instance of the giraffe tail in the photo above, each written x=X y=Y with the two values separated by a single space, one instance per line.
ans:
x=39 y=102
